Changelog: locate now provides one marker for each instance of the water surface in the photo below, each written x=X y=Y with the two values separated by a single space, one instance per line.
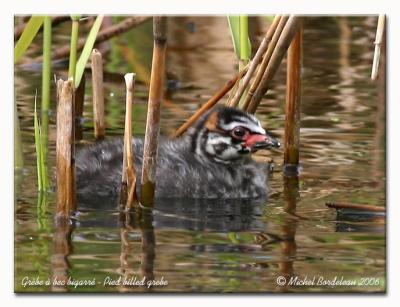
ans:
x=222 y=246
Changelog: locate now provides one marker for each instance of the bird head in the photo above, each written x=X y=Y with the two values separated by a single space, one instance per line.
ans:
x=226 y=134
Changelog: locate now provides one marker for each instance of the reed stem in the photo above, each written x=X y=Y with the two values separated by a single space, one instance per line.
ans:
x=378 y=43
x=129 y=170
x=66 y=202
x=244 y=41
x=288 y=32
x=293 y=100
x=73 y=46
x=254 y=62
x=98 y=95
x=267 y=57
x=153 y=113
x=46 y=69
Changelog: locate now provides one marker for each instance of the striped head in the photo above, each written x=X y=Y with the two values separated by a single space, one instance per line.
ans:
x=226 y=135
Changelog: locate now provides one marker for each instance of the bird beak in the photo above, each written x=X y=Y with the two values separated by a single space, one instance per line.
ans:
x=261 y=141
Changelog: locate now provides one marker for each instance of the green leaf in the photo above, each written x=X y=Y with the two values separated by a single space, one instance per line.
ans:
x=238 y=26
x=87 y=50
x=30 y=31
x=234 y=26
x=38 y=149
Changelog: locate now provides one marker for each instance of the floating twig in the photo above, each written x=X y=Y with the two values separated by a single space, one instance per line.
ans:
x=293 y=99
x=355 y=207
x=153 y=112
x=98 y=94
x=254 y=62
x=282 y=45
x=378 y=43
x=66 y=202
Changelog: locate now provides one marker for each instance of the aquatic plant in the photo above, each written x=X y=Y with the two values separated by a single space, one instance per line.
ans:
x=43 y=181
x=73 y=48
x=239 y=28
x=29 y=33
x=87 y=50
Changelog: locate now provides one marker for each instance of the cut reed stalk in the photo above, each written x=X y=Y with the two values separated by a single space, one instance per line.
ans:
x=254 y=62
x=378 y=43
x=210 y=103
x=153 y=113
x=66 y=202
x=129 y=171
x=288 y=32
x=79 y=105
x=102 y=36
x=293 y=100
x=98 y=95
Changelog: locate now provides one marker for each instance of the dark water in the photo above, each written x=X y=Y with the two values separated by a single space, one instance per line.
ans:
x=223 y=246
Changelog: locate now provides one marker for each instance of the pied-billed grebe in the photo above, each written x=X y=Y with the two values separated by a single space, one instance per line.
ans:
x=213 y=160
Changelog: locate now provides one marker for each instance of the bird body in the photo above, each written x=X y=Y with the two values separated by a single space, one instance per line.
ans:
x=211 y=161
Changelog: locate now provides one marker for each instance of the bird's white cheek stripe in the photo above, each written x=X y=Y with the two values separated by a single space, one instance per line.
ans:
x=251 y=127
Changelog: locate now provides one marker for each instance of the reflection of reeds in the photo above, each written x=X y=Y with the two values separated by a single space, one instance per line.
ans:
x=62 y=248
x=148 y=244
x=98 y=94
x=66 y=202
x=153 y=113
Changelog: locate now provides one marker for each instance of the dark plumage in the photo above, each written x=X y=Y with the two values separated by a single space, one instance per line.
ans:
x=211 y=161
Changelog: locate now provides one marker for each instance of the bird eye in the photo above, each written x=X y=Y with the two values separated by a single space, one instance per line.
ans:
x=239 y=132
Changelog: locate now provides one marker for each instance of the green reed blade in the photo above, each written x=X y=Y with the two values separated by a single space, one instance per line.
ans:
x=38 y=149
x=46 y=69
x=238 y=26
x=30 y=31
x=73 y=48
x=87 y=50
